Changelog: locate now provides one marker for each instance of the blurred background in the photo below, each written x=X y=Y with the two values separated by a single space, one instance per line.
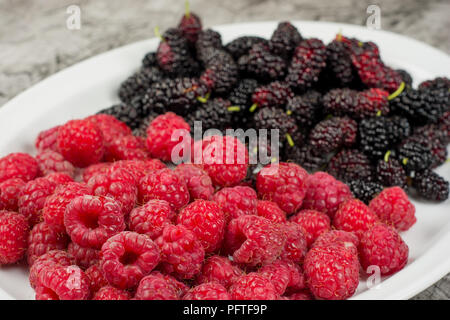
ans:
x=35 y=41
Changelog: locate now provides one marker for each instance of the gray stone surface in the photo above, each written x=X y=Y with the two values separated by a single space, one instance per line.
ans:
x=35 y=43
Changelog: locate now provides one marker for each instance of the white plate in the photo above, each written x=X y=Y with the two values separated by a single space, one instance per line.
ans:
x=91 y=85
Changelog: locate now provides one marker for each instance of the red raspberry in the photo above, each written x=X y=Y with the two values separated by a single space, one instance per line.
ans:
x=50 y=161
x=95 y=169
x=110 y=127
x=62 y=283
x=253 y=286
x=284 y=184
x=56 y=204
x=225 y=159
x=163 y=184
x=13 y=237
x=296 y=245
x=313 y=222
x=46 y=140
x=339 y=237
x=81 y=143
x=182 y=253
x=254 y=240
x=160 y=142
x=283 y=275
x=139 y=168
x=50 y=259
x=42 y=239
x=111 y=293
x=32 y=198
x=118 y=184
x=197 y=181
x=59 y=178
x=324 y=193
x=206 y=220
x=18 y=165
x=382 y=246
x=84 y=257
x=157 y=286
x=151 y=218
x=208 y=291
x=219 y=269
x=270 y=210
x=301 y=295
x=332 y=272
x=96 y=278
x=91 y=220
x=236 y=201
x=393 y=207
x=9 y=194
x=127 y=257
x=126 y=148
x=354 y=216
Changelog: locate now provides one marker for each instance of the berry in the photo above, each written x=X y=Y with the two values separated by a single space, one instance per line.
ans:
x=236 y=201
x=13 y=237
x=46 y=140
x=332 y=134
x=91 y=220
x=207 y=39
x=365 y=190
x=314 y=223
x=110 y=126
x=207 y=291
x=253 y=286
x=51 y=161
x=206 y=221
x=434 y=144
x=81 y=142
x=9 y=194
x=149 y=59
x=339 y=237
x=42 y=239
x=254 y=240
x=221 y=72
x=270 y=210
x=157 y=286
x=305 y=109
x=295 y=246
x=111 y=293
x=151 y=218
x=126 y=148
x=85 y=257
x=213 y=114
x=242 y=45
x=136 y=85
x=372 y=102
x=304 y=156
x=52 y=258
x=354 y=216
x=160 y=133
x=339 y=64
x=382 y=246
x=284 y=40
x=96 y=278
x=332 y=272
x=284 y=184
x=138 y=168
x=301 y=295
x=374 y=137
x=437 y=83
x=59 y=178
x=283 y=275
x=127 y=257
x=95 y=169
x=398 y=128
x=164 y=184
x=190 y=25
x=390 y=172
x=18 y=165
x=324 y=193
x=414 y=156
x=182 y=253
x=220 y=270
x=349 y=165
x=32 y=198
x=394 y=208
x=431 y=186
x=406 y=77
x=241 y=96
x=197 y=181
x=272 y=118
x=275 y=94
x=129 y=113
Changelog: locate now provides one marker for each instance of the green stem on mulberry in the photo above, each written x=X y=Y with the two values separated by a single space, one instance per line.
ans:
x=253 y=107
x=187 y=12
x=289 y=112
x=387 y=155
x=234 y=109
x=158 y=34
x=378 y=113
x=397 y=92
x=405 y=161
x=204 y=99
x=289 y=140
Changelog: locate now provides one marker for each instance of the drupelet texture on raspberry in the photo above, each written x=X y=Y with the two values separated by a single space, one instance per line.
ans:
x=270 y=210
x=139 y=168
x=208 y=291
x=284 y=275
x=313 y=222
x=9 y=194
x=338 y=237
x=126 y=148
x=96 y=278
x=32 y=198
x=354 y=216
x=44 y=238
x=296 y=245
x=236 y=201
x=18 y=165
x=110 y=127
x=59 y=178
x=47 y=140
x=13 y=237
x=111 y=293
x=95 y=169
x=158 y=286
x=50 y=161
x=197 y=181
x=85 y=257
x=50 y=259
x=253 y=286
x=219 y=269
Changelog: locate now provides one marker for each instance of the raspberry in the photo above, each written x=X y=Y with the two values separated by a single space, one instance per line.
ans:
x=301 y=295
x=151 y=218
x=339 y=237
x=126 y=148
x=50 y=259
x=160 y=132
x=197 y=181
x=51 y=161
x=59 y=178
x=18 y=165
x=313 y=222
x=349 y=165
x=332 y=272
x=253 y=286
x=46 y=140
x=111 y=293
x=270 y=210
x=91 y=220
x=296 y=242
x=332 y=134
x=354 y=216
x=182 y=253
x=254 y=240
x=139 y=168
x=165 y=185
x=32 y=198
x=431 y=186
x=96 y=278
x=275 y=94
x=9 y=193
x=382 y=246
x=118 y=184
x=236 y=201
x=130 y=113
x=13 y=237
x=365 y=191
x=127 y=257
x=284 y=275
x=85 y=257
x=95 y=169
x=207 y=291
x=225 y=159
x=221 y=71
x=284 y=40
x=206 y=221
x=394 y=208
x=219 y=269
x=242 y=45
x=284 y=184
x=81 y=142
x=324 y=193
x=157 y=286
x=62 y=283
x=42 y=239
x=110 y=127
